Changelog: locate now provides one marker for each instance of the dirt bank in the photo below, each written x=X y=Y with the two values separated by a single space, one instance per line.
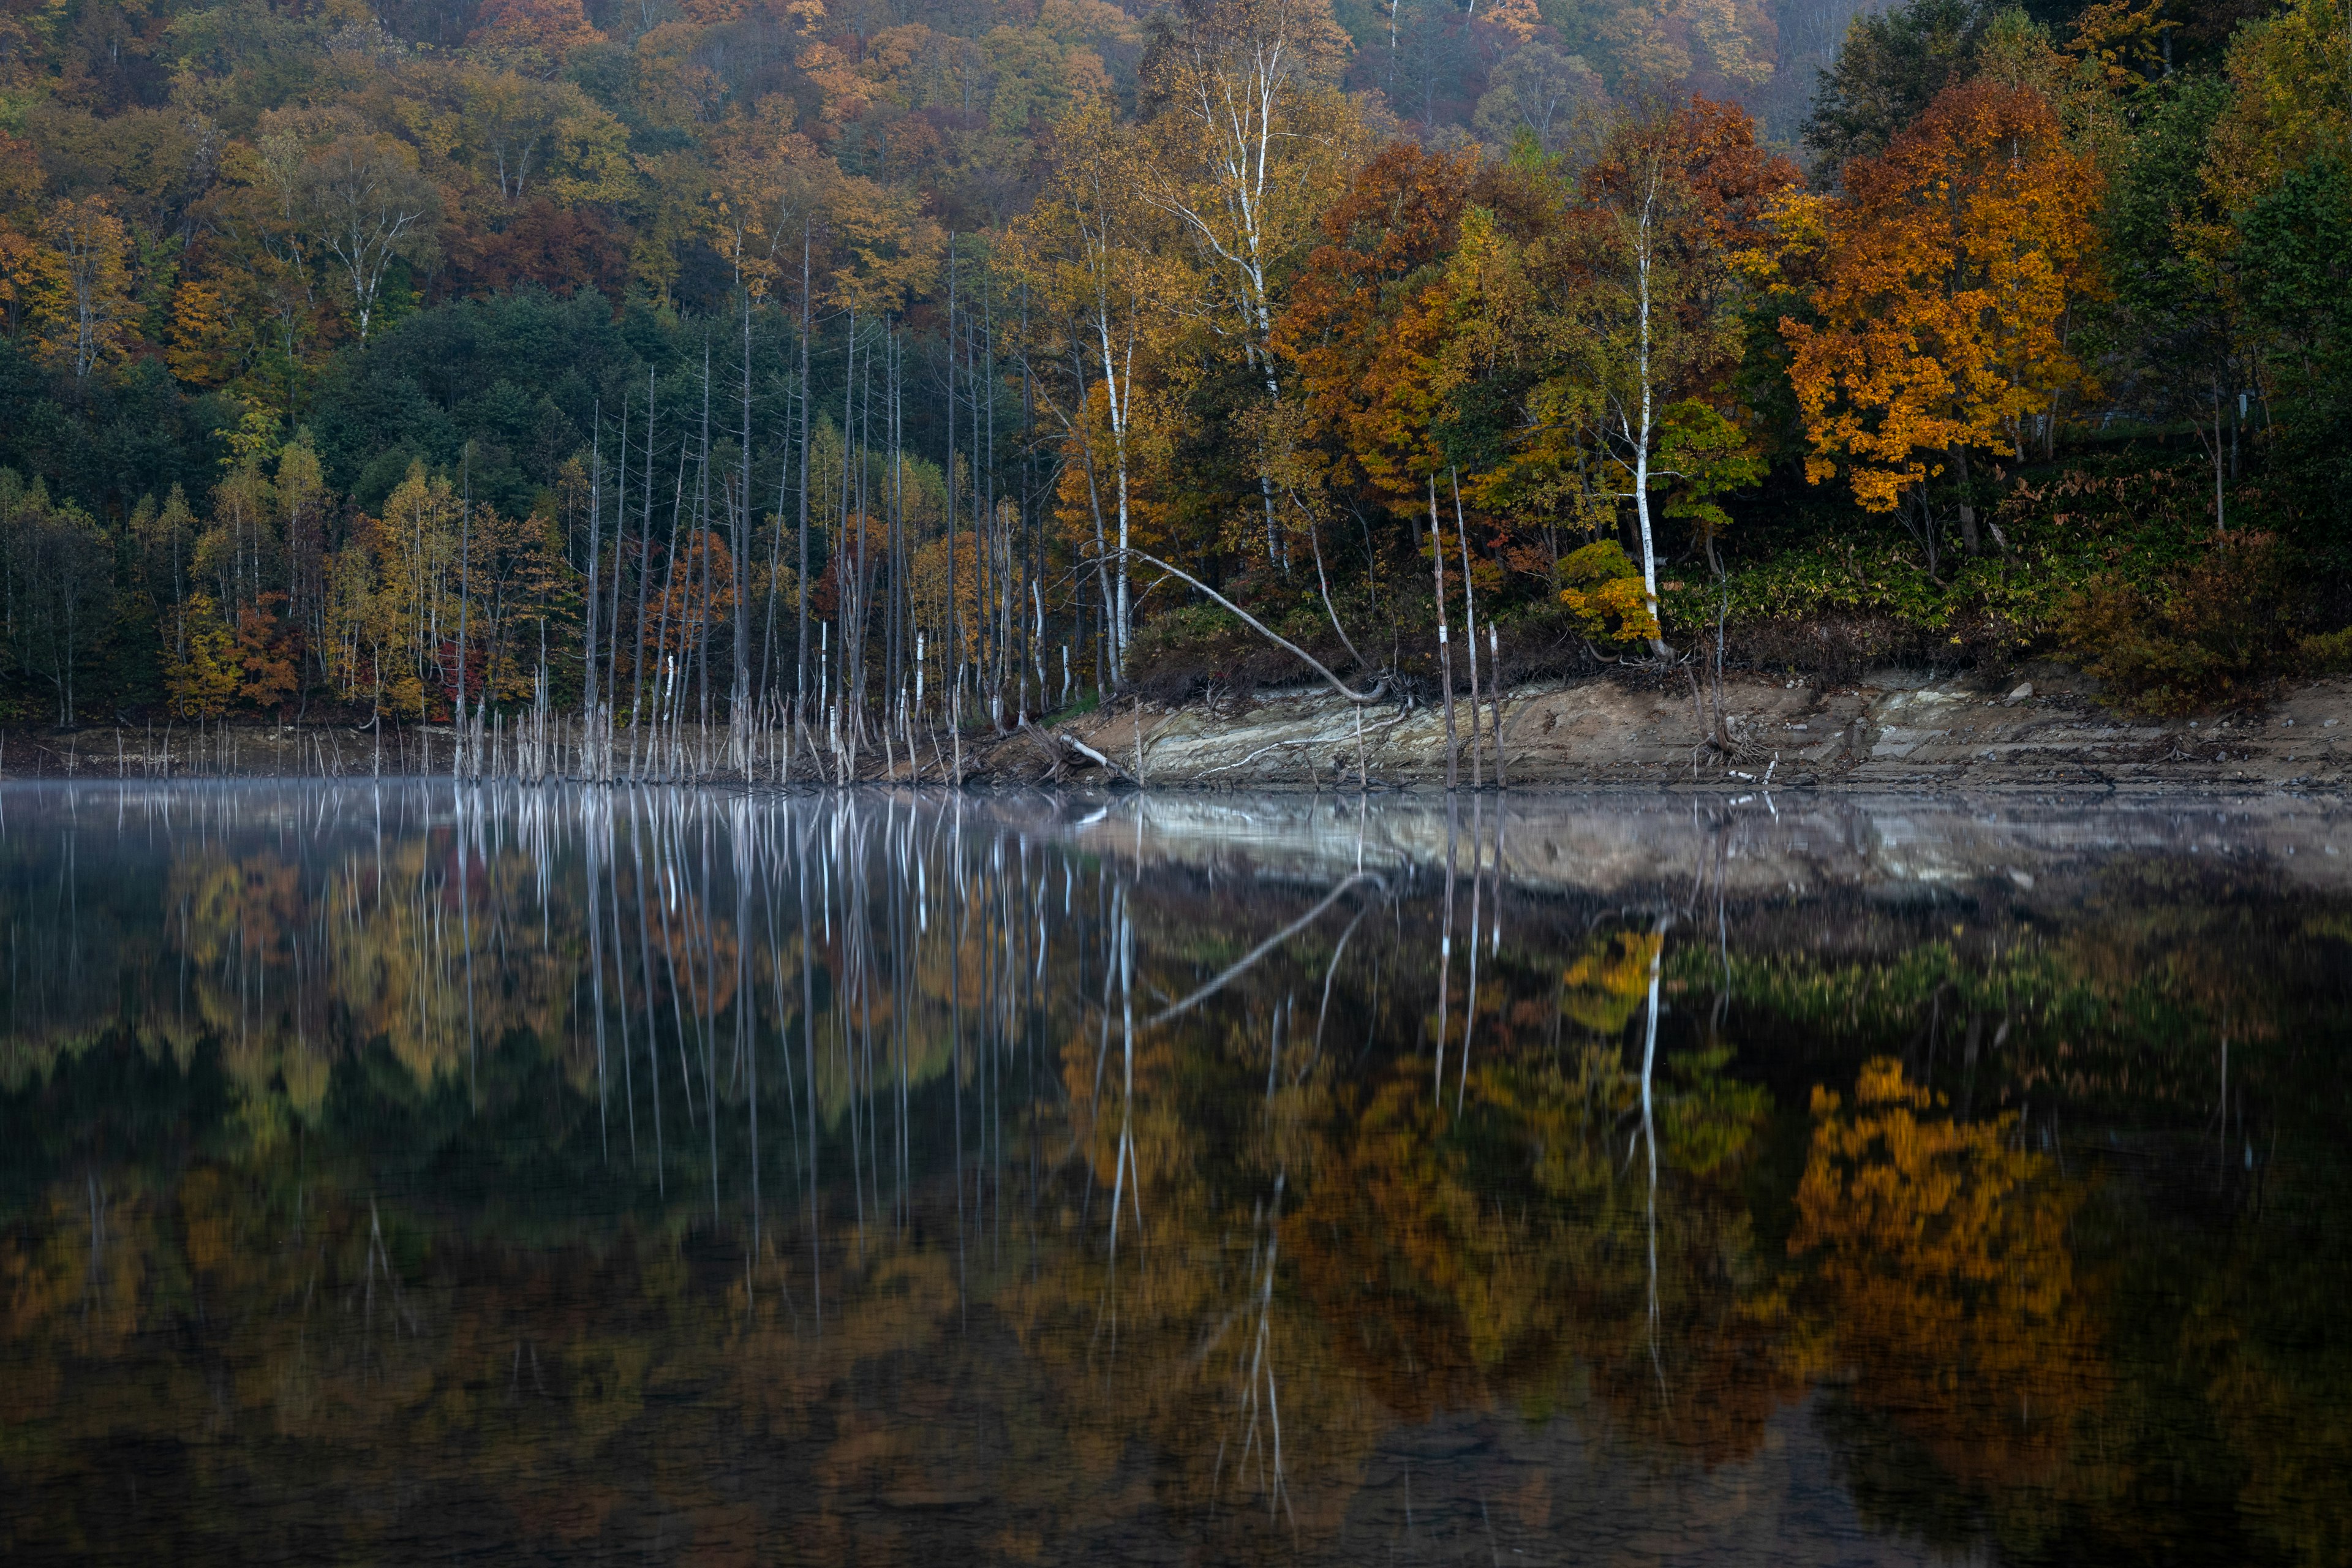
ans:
x=1894 y=733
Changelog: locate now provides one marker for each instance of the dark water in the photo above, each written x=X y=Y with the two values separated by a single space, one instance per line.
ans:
x=414 y=1174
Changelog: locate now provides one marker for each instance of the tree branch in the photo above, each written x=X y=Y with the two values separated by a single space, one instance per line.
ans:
x=1338 y=685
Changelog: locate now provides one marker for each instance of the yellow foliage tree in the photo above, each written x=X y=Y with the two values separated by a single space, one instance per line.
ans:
x=1602 y=589
x=81 y=287
x=201 y=670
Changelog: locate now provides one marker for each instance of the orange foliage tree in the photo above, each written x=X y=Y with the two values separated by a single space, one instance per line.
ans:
x=1942 y=280
x=1368 y=316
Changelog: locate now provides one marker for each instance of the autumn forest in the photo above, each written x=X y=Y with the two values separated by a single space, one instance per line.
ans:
x=847 y=364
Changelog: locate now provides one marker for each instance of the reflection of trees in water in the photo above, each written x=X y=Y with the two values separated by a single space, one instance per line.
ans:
x=1938 y=1253
x=761 y=1189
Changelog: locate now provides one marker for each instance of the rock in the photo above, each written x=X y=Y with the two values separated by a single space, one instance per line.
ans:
x=2024 y=690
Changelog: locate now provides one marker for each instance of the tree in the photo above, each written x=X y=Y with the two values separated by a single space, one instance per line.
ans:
x=768 y=187
x=82 y=291
x=2163 y=238
x=534 y=36
x=202 y=673
x=1540 y=91
x=1642 y=308
x=367 y=207
x=1244 y=130
x=2291 y=99
x=2295 y=260
x=59 y=582
x=1084 y=251
x=1943 y=281
x=1372 y=312
x=1892 y=64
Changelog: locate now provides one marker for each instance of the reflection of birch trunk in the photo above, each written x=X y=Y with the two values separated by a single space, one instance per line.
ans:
x=1649 y=1143
x=596 y=964
x=1126 y=1091
x=1470 y=1001
x=465 y=935
x=1261 y=1372
x=1446 y=953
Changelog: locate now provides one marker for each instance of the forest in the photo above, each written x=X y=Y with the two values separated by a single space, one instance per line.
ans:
x=839 y=364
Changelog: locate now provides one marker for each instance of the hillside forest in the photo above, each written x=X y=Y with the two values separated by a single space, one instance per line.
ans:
x=852 y=362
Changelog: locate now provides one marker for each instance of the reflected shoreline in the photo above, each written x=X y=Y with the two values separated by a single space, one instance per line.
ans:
x=410 y=1169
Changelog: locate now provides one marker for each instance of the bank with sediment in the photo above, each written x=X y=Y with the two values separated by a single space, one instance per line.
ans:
x=1894 y=733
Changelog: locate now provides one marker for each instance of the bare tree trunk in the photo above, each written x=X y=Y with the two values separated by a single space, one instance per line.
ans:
x=465 y=594
x=808 y=412
x=1469 y=626
x=1444 y=652
x=1495 y=695
x=1969 y=540
x=645 y=575
x=739 y=699
x=595 y=548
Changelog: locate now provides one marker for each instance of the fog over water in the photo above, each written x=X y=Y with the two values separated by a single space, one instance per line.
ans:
x=423 y=1170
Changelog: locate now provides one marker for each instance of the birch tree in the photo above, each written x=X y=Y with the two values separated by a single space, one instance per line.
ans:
x=367 y=206
x=1651 y=318
x=1085 y=252
x=1245 y=136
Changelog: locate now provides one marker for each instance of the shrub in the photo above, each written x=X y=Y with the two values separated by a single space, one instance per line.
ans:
x=2329 y=653
x=2204 y=632
x=1603 y=590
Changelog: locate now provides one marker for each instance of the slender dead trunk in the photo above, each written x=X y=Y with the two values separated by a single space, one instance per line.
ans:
x=1642 y=438
x=1469 y=627
x=808 y=411
x=644 y=573
x=465 y=590
x=595 y=548
x=1495 y=695
x=954 y=628
x=1444 y=652
x=1969 y=540
x=620 y=550
x=739 y=700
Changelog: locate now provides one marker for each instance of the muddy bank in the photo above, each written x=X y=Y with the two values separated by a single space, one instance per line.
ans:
x=1895 y=732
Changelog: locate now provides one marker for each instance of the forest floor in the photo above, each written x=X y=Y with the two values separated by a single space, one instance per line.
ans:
x=1894 y=731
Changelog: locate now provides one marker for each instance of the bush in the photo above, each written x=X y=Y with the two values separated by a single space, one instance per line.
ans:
x=2330 y=653
x=2205 y=632
x=1602 y=589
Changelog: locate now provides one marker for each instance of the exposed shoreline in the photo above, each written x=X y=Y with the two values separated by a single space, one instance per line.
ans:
x=1895 y=732
x=1898 y=731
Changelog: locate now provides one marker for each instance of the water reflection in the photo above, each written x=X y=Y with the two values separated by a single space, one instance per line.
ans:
x=417 y=1170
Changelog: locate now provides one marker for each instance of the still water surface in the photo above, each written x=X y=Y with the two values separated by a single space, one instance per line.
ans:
x=424 y=1173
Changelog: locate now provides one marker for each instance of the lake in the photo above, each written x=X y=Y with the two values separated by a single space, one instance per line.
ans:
x=431 y=1172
